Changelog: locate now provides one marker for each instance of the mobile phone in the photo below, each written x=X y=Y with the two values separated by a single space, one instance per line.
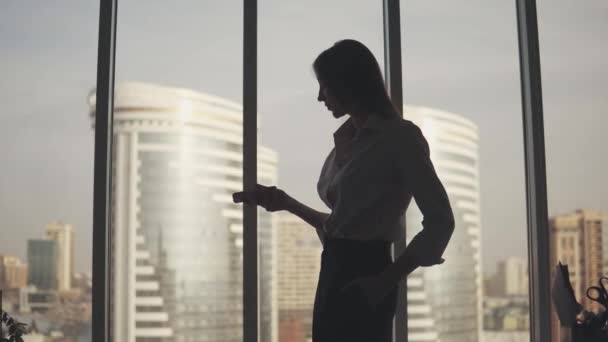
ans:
x=238 y=197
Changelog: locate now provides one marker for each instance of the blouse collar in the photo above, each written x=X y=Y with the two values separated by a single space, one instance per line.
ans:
x=374 y=123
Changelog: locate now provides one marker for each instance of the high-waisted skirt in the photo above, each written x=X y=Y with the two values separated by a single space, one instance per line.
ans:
x=345 y=316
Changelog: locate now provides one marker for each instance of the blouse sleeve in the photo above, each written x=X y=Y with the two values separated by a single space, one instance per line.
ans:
x=430 y=196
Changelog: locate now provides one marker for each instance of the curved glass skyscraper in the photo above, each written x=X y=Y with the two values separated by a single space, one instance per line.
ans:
x=444 y=302
x=176 y=235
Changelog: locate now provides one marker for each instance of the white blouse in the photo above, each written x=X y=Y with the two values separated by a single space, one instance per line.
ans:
x=369 y=179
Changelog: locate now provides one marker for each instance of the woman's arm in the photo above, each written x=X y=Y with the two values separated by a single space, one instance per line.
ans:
x=312 y=217
x=273 y=199
x=426 y=247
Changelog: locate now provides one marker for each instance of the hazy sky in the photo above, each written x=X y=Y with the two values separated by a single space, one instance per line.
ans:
x=458 y=56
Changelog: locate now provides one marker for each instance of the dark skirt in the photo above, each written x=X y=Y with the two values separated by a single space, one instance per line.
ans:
x=345 y=316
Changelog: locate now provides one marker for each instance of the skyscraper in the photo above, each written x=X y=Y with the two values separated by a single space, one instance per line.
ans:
x=577 y=240
x=42 y=264
x=510 y=280
x=177 y=236
x=13 y=273
x=515 y=276
x=299 y=262
x=63 y=236
x=444 y=302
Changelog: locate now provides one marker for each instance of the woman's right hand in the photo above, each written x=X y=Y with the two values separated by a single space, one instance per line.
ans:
x=269 y=197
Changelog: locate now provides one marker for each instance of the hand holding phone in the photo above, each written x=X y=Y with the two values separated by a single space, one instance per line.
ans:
x=238 y=197
x=269 y=197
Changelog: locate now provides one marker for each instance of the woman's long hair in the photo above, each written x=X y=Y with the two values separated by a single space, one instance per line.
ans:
x=351 y=72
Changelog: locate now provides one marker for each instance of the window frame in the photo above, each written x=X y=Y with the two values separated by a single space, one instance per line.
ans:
x=534 y=152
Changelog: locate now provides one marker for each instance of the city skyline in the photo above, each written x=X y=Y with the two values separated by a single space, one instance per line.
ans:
x=43 y=119
x=177 y=155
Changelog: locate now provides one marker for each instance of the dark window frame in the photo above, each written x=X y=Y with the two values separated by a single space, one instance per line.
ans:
x=534 y=150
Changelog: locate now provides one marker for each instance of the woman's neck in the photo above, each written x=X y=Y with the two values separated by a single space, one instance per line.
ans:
x=358 y=121
x=359 y=118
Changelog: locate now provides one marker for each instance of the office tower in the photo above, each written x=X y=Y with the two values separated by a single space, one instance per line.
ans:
x=42 y=264
x=510 y=279
x=63 y=236
x=32 y=299
x=176 y=235
x=13 y=273
x=493 y=286
x=299 y=263
x=444 y=303
x=514 y=273
x=576 y=239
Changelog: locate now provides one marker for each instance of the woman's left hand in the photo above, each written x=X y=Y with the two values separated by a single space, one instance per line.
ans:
x=373 y=288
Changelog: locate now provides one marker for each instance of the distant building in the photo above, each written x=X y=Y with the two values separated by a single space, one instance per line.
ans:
x=506 y=314
x=32 y=299
x=42 y=265
x=83 y=282
x=177 y=235
x=438 y=310
x=493 y=286
x=510 y=279
x=516 y=276
x=506 y=336
x=577 y=240
x=299 y=260
x=13 y=273
x=63 y=236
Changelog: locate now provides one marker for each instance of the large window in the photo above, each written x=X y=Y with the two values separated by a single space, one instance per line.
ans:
x=176 y=239
x=298 y=129
x=575 y=83
x=49 y=55
x=176 y=246
x=461 y=86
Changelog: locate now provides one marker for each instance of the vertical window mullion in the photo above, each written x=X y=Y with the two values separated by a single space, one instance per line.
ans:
x=250 y=227
x=393 y=77
x=101 y=309
x=536 y=178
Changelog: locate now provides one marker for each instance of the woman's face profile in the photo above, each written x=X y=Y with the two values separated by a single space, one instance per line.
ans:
x=331 y=102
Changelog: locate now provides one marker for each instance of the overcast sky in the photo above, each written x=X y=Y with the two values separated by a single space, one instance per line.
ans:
x=457 y=56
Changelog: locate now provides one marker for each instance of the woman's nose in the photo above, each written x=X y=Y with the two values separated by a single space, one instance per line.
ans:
x=320 y=96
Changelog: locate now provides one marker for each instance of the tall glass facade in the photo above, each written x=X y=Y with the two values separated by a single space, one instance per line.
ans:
x=462 y=87
x=42 y=267
x=176 y=235
x=444 y=303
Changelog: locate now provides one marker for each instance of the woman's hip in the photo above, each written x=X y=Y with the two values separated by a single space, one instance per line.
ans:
x=355 y=257
x=344 y=260
x=345 y=315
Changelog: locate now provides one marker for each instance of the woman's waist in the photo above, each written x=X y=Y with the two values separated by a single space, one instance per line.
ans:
x=366 y=231
x=353 y=250
x=354 y=243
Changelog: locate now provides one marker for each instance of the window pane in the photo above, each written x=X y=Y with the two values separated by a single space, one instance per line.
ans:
x=299 y=130
x=49 y=56
x=461 y=86
x=177 y=158
x=575 y=83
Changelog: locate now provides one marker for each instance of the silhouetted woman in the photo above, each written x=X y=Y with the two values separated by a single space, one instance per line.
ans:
x=379 y=162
